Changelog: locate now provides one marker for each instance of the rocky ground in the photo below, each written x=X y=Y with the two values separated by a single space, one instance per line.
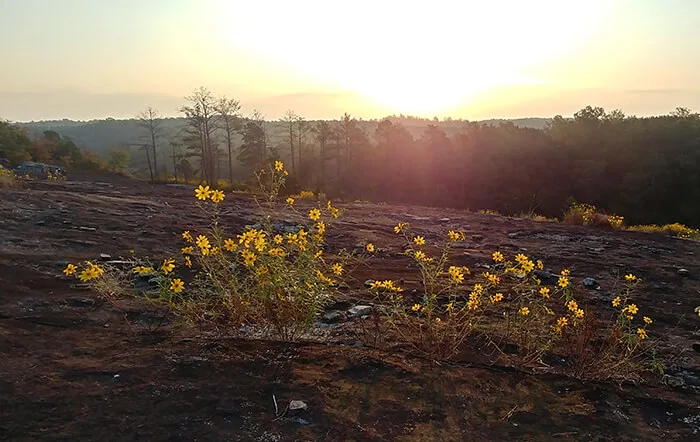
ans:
x=72 y=369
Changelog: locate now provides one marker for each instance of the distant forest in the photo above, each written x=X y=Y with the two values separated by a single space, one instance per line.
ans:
x=645 y=169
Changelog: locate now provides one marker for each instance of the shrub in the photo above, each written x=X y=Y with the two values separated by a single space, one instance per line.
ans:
x=613 y=349
x=8 y=179
x=277 y=280
x=304 y=194
x=675 y=229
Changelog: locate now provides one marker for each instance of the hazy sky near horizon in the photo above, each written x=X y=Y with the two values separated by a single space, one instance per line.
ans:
x=85 y=59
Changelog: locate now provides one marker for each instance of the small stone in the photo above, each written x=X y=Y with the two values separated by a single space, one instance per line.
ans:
x=674 y=381
x=298 y=406
x=545 y=276
x=80 y=302
x=590 y=283
x=301 y=421
x=40 y=223
x=369 y=283
x=683 y=272
x=105 y=256
x=332 y=317
x=444 y=220
x=360 y=310
x=88 y=229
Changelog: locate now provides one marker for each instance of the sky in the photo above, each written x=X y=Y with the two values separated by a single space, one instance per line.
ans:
x=87 y=59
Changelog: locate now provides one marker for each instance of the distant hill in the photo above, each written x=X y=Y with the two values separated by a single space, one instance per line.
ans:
x=101 y=135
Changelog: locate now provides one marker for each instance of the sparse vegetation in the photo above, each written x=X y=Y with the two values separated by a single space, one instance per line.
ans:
x=8 y=179
x=277 y=279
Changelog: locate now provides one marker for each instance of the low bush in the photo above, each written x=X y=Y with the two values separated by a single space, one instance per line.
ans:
x=277 y=280
x=8 y=179
x=675 y=229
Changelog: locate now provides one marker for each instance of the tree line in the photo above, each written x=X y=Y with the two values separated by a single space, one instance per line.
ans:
x=16 y=147
x=646 y=169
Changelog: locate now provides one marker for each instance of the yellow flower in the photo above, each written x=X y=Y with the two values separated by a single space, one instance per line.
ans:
x=579 y=313
x=187 y=250
x=177 y=285
x=188 y=261
x=202 y=193
x=248 y=257
x=337 y=269
x=286 y=173
x=95 y=268
x=277 y=251
x=498 y=297
x=478 y=288
x=419 y=240
x=70 y=269
x=203 y=242
x=524 y=311
x=215 y=251
x=88 y=274
x=416 y=307
x=318 y=254
x=217 y=196
x=630 y=278
x=279 y=166
x=278 y=239
x=290 y=201
x=616 y=302
x=497 y=256
x=647 y=320
x=631 y=309
x=544 y=291
x=400 y=227
x=168 y=266
x=572 y=305
x=641 y=333
x=420 y=256
x=540 y=264
x=370 y=247
x=493 y=279
x=566 y=272
x=230 y=245
x=520 y=258
x=562 y=322
x=454 y=236
x=187 y=236
x=314 y=214
x=563 y=282
x=437 y=320
x=141 y=270
x=321 y=228
x=457 y=274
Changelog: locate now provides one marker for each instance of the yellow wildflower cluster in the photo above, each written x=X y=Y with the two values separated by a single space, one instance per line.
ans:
x=204 y=193
x=387 y=285
x=91 y=271
x=457 y=273
x=616 y=221
x=455 y=236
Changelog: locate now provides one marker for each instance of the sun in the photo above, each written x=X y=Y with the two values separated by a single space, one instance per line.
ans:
x=411 y=58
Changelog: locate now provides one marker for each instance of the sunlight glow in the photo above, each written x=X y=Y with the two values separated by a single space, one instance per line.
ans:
x=402 y=55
